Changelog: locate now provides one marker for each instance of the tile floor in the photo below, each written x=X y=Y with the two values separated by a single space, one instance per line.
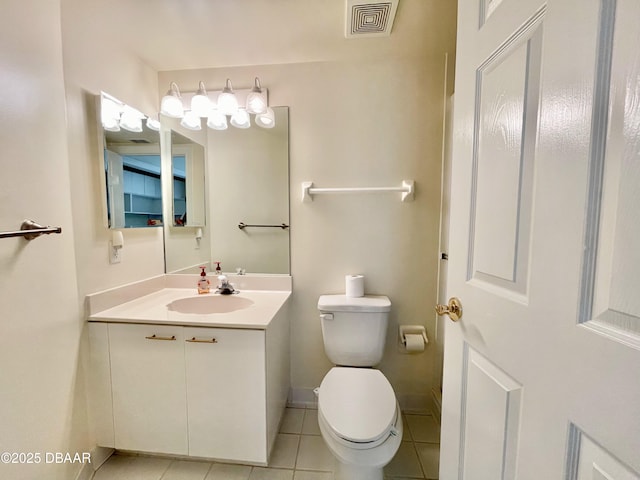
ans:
x=299 y=454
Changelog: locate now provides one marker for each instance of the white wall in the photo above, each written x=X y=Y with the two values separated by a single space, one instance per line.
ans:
x=92 y=64
x=42 y=406
x=368 y=123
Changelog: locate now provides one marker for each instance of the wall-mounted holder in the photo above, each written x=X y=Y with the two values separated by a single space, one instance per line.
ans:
x=412 y=338
x=115 y=246
x=406 y=189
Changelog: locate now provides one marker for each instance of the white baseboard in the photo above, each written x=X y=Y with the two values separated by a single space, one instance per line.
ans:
x=302 y=398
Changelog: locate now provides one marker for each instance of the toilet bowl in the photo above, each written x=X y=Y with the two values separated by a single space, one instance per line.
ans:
x=358 y=414
x=360 y=421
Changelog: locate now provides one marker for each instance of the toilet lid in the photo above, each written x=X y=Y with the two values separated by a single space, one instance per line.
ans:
x=359 y=404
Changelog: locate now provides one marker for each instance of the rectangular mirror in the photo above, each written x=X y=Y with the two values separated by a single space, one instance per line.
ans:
x=247 y=182
x=132 y=166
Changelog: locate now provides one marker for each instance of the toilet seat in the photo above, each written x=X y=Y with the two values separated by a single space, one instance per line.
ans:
x=359 y=406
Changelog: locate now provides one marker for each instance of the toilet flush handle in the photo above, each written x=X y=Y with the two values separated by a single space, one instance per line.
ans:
x=326 y=316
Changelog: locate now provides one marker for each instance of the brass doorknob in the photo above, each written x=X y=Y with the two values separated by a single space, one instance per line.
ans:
x=453 y=309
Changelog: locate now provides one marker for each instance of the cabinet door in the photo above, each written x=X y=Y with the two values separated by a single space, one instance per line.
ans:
x=225 y=371
x=148 y=381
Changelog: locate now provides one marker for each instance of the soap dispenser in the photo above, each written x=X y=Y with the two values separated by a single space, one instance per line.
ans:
x=218 y=269
x=204 y=285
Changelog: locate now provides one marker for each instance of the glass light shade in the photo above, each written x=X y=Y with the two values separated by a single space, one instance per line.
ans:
x=256 y=103
x=266 y=119
x=227 y=103
x=200 y=103
x=131 y=119
x=110 y=114
x=191 y=121
x=153 y=124
x=111 y=124
x=240 y=119
x=171 y=106
x=216 y=120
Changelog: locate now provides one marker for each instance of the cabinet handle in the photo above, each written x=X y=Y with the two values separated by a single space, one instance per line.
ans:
x=197 y=340
x=154 y=337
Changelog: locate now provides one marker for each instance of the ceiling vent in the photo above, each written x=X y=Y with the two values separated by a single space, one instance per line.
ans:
x=370 y=18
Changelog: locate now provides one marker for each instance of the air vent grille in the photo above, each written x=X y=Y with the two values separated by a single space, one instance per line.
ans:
x=370 y=18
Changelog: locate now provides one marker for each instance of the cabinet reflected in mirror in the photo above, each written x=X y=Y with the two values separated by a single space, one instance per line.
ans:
x=132 y=168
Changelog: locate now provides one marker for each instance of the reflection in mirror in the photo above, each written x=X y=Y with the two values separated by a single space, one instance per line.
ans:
x=131 y=155
x=188 y=172
x=251 y=186
x=247 y=181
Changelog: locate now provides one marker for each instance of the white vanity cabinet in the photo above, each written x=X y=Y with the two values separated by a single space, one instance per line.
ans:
x=205 y=392
x=148 y=384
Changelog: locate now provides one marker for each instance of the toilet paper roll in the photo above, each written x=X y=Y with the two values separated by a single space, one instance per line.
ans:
x=414 y=343
x=354 y=285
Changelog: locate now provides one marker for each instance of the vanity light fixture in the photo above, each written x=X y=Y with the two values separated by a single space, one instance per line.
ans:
x=240 y=119
x=131 y=119
x=200 y=103
x=256 y=101
x=266 y=119
x=227 y=101
x=171 y=104
x=191 y=121
x=217 y=120
x=216 y=106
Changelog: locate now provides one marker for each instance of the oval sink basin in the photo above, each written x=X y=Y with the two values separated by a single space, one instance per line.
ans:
x=209 y=304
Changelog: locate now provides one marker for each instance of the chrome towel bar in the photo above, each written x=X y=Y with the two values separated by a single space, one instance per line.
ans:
x=243 y=225
x=30 y=230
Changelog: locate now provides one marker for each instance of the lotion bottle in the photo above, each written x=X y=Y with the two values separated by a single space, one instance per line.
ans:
x=204 y=286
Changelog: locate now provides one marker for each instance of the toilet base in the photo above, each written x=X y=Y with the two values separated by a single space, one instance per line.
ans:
x=356 y=472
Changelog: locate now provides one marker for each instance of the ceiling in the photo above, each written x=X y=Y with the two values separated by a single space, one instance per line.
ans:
x=189 y=34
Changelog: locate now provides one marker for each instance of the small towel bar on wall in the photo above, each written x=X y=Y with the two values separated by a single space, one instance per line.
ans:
x=30 y=230
x=243 y=225
x=406 y=189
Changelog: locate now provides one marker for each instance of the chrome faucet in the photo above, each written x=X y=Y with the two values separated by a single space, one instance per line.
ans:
x=224 y=287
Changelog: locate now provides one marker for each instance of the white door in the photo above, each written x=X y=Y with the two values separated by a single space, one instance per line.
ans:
x=542 y=372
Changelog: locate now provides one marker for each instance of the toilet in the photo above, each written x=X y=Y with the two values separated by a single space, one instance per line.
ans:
x=358 y=414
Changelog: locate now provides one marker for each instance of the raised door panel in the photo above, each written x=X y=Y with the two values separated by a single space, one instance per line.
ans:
x=148 y=383
x=226 y=393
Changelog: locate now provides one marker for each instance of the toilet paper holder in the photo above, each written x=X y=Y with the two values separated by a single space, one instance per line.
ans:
x=411 y=330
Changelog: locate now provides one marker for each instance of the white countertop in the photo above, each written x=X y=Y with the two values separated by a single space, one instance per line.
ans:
x=152 y=308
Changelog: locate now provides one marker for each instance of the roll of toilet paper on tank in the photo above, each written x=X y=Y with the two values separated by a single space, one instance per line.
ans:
x=414 y=343
x=354 y=285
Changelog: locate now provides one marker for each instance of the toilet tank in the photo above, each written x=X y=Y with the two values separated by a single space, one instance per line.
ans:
x=354 y=329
